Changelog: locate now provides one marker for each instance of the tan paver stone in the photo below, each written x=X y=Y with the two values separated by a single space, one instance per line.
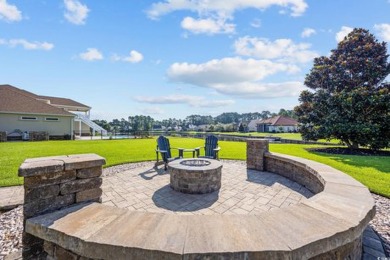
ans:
x=233 y=222
x=240 y=211
x=353 y=192
x=339 y=177
x=134 y=229
x=300 y=225
x=347 y=209
x=109 y=203
x=224 y=233
x=83 y=161
x=11 y=197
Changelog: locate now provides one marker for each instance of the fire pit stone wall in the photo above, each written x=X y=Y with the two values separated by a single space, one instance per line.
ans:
x=195 y=176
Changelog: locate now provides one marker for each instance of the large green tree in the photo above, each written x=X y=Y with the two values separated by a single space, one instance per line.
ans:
x=140 y=123
x=349 y=98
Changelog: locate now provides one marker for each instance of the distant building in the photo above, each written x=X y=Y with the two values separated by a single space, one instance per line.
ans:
x=202 y=127
x=252 y=125
x=274 y=124
x=28 y=112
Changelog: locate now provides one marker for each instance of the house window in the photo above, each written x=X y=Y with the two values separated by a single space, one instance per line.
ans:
x=52 y=119
x=29 y=118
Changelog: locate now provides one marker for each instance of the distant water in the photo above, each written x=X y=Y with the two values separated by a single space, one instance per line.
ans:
x=119 y=137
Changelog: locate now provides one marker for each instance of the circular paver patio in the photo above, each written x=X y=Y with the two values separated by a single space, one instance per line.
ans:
x=143 y=187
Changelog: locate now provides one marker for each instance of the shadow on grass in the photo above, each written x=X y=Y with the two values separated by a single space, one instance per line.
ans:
x=381 y=163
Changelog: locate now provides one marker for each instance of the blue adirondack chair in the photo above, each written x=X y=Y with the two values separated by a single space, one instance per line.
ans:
x=211 y=148
x=164 y=148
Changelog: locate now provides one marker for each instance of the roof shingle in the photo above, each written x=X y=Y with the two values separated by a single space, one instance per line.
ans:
x=14 y=100
x=63 y=101
x=279 y=121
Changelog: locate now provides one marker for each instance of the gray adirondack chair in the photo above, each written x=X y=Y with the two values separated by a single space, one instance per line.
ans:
x=211 y=148
x=164 y=148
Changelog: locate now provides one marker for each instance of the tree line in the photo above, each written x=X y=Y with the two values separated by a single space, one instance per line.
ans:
x=218 y=123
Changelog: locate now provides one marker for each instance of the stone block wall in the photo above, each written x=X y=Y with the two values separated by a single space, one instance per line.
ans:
x=295 y=171
x=311 y=176
x=3 y=137
x=52 y=183
x=204 y=179
x=54 y=251
x=259 y=158
x=39 y=136
x=255 y=150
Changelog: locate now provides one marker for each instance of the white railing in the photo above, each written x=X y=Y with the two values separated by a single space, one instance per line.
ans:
x=91 y=124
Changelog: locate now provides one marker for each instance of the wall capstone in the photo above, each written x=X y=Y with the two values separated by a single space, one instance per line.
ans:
x=52 y=183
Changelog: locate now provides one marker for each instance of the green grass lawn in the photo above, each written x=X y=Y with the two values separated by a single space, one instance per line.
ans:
x=291 y=136
x=372 y=171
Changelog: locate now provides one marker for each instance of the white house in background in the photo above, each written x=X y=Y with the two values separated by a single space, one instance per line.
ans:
x=252 y=125
x=274 y=124
x=27 y=112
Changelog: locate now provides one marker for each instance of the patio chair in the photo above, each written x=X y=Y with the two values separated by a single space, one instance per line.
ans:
x=211 y=148
x=164 y=148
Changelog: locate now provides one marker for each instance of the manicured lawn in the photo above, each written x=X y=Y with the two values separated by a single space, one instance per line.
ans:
x=372 y=171
x=12 y=154
x=291 y=136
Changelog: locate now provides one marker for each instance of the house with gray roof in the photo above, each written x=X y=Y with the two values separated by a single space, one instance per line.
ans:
x=274 y=124
x=23 y=111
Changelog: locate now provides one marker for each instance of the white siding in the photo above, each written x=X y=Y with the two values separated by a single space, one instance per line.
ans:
x=10 y=122
x=252 y=126
x=285 y=128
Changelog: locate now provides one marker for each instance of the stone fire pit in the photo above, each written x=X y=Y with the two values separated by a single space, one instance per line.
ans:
x=195 y=176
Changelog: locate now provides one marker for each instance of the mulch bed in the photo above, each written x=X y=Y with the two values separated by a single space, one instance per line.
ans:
x=346 y=151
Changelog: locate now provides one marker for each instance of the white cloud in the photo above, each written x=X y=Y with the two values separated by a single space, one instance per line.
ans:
x=261 y=90
x=214 y=103
x=256 y=23
x=226 y=70
x=284 y=50
x=202 y=7
x=307 y=32
x=213 y=15
x=76 y=12
x=383 y=31
x=134 y=57
x=345 y=30
x=91 y=54
x=9 y=13
x=170 y=99
x=207 y=26
x=237 y=77
x=27 y=45
x=193 y=101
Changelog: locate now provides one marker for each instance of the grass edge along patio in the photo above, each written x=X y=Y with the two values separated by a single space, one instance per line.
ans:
x=372 y=171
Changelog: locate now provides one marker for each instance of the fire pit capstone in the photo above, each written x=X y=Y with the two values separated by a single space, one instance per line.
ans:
x=196 y=176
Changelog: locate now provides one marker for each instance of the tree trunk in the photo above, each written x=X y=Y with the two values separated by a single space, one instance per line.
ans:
x=351 y=144
x=355 y=145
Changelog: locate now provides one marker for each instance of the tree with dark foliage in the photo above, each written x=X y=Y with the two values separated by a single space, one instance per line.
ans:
x=350 y=99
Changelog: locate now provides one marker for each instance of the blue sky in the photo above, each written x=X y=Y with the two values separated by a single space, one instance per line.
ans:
x=174 y=58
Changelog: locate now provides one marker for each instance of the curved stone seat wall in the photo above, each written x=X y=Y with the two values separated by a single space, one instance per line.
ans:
x=329 y=225
x=295 y=170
